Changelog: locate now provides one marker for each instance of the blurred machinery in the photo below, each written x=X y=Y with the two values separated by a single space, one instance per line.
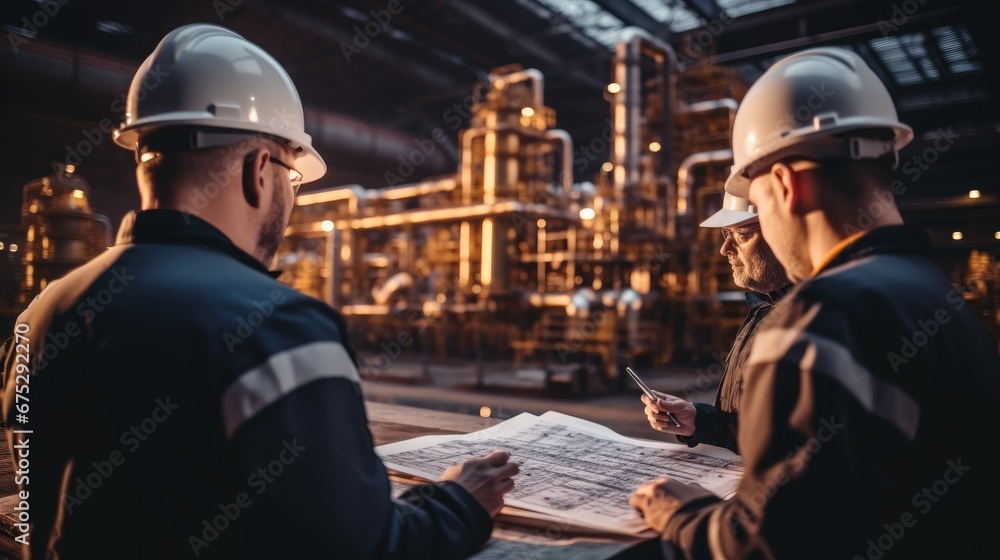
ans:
x=11 y=274
x=508 y=256
x=977 y=280
x=61 y=231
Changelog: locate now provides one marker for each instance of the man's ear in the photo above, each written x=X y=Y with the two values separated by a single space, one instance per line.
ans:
x=253 y=177
x=791 y=190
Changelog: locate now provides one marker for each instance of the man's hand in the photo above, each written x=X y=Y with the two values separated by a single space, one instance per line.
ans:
x=487 y=478
x=658 y=501
x=680 y=408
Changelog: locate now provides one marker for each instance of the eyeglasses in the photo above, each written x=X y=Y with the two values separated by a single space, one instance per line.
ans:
x=293 y=176
x=740 y=236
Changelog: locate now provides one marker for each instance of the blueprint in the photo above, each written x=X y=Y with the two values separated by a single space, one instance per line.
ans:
x=541 y=537
x=573 y=471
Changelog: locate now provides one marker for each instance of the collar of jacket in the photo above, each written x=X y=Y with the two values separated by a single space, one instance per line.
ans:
x=176 y=227
x=757 y=299
x=886 y=239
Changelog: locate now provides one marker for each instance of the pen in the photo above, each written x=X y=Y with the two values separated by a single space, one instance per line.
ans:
x=651 y=394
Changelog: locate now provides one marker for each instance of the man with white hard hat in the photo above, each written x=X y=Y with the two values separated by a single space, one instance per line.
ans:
x=184 y=404
x=868 y=412
x=757 y=270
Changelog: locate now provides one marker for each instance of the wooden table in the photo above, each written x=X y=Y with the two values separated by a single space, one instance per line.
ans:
x=391 y=423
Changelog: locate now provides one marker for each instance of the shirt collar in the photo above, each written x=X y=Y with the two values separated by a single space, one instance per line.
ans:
x=758 y=299
x=176 y=227
x=837 y=249
x=887 y=239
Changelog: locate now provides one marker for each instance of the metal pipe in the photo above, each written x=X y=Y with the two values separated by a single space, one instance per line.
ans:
x=712 y=105
x=354 y=194
x=459 y=213
x=530 y=74
x=468 y=135
x=550 y=299
x=633 y=44
x=685 y=184
x=566 y=176
x=427 y=216
x=429 y=186
x=464 y=254
x=393 y=284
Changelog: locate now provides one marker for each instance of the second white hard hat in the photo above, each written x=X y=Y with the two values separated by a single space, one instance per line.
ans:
x=809 y=104
x=208 y=78
x=735 y=212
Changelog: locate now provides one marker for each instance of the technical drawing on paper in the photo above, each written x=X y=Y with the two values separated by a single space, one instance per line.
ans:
x=570 y=468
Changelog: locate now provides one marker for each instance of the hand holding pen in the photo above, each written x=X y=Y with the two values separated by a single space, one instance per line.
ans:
x=666 y=413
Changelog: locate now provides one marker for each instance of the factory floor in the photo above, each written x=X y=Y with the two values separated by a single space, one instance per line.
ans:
x=502 y=391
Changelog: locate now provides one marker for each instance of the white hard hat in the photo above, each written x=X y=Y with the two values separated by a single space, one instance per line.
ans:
x=808 y=104
x=735 y=212
x=207 y=78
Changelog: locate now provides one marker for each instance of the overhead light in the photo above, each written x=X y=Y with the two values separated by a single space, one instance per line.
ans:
x=997 y=235
x=607 y=167
x=327 y=225
x=527 y=112
x=77 y=193
x=540 y=223
x=13 y=247
x=654 y=146
x=587 y=213
x=613 y=87
x=974 y=194
x=956 y=235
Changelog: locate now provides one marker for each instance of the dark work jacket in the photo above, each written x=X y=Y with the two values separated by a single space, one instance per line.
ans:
x=717 y=425
x=867 y=424
x=198 y=408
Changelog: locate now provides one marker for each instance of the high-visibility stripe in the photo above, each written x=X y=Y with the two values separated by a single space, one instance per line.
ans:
x=830 y=358
x=283 y=373
x=715 y=536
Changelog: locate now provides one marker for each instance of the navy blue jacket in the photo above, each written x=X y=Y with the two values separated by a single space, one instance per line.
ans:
x=196 y=407
x=867 y=422
x=719 y=424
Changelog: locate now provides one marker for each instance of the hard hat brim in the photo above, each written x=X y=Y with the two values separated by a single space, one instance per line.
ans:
x=729 y=218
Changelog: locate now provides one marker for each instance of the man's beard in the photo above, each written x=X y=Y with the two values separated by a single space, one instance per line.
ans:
x=761 y=272
x=273 y=232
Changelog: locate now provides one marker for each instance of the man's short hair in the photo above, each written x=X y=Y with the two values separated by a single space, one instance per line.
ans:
x=855 y=178
x=199 y=166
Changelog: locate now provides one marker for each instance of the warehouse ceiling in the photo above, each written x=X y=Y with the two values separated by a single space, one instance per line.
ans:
x=372 y=89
